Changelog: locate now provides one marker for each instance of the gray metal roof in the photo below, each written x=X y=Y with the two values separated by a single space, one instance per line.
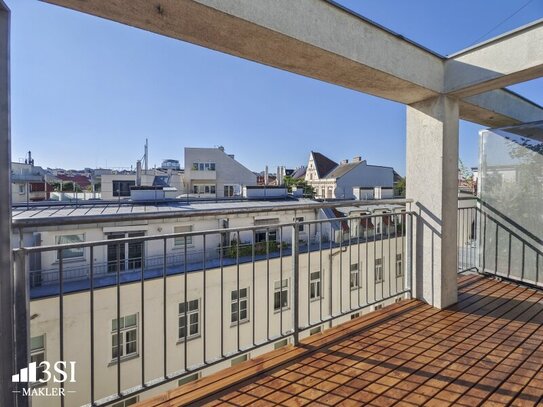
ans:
x=342 y=169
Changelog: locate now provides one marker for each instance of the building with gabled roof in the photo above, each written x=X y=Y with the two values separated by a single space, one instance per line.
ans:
x=348 y=180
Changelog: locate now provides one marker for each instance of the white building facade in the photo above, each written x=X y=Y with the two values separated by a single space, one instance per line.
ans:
x=348 y=180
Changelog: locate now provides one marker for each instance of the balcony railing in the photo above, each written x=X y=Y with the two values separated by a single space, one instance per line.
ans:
x=492 y=243
x=132 y=324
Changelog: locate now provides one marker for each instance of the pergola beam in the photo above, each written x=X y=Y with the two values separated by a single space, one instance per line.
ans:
x=511 y=58
x=321 y=40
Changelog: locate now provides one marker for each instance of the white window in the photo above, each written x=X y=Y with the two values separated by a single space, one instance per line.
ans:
x=180 y=241
x=192 y=310
x=203 y=166
x=354 y=276
x=204 y=189
x=240 y=312
x=70 y=253
x=128 y=402
x=379 y=271
x=280 y=295
x=399 y=266
x=21 y=189
x=37 y=355
x=124 y=343
x=315 y=285
x=231 y=190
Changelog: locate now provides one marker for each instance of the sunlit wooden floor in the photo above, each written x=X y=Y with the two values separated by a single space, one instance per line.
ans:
x=485 y=350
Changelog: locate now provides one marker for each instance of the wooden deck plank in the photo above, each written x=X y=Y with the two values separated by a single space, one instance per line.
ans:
x=486 y=349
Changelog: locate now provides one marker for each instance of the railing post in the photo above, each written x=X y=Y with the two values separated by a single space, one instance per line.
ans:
x=296 y=282
x=408 y=230
x=22 y=321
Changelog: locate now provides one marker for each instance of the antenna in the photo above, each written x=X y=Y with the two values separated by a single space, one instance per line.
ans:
x=146 y=155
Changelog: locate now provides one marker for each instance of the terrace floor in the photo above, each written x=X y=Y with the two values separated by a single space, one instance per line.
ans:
x=485 y=350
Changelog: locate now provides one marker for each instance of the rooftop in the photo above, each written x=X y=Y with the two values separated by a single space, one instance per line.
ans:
x=487 y=349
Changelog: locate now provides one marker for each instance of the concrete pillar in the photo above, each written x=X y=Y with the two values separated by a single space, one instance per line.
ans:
x=7 y=334
x=432 y=182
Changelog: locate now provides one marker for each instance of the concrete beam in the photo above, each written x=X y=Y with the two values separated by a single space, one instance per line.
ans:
x=314 y=38
x=432 y=168
x=511 y=58
x=499 y=108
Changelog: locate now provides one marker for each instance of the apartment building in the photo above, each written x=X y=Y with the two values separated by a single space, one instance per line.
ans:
x=348 y=180
x=30 y=182
x=211 y=172
x=165 y=304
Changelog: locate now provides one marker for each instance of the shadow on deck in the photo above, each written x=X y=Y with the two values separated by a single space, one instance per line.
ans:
x=486 y=349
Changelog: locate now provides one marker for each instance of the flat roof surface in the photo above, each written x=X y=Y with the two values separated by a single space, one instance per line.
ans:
x=55 y=210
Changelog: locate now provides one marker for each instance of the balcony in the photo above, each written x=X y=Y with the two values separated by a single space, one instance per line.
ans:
x=485 y=350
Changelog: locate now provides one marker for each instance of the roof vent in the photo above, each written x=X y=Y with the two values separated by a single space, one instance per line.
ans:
x=221 y=148
x=357 y=159
x=344 y=162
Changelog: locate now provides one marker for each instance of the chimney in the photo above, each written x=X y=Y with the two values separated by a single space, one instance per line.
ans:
x=266 y=176
x=138 y=173
x=344 y=162
x=357 y=159
x=221 y=148
x=279 y=176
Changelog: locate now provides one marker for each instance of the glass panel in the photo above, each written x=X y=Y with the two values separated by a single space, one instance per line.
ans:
x=37 y=342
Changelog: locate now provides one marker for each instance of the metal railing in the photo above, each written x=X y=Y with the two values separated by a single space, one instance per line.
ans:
x=492 y=243
x=235 y=295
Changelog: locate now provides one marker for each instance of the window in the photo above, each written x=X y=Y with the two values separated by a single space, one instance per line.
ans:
x=204 y=189
x=399 y=266
x=280 y=295
x=230 y=190
x=378 y=307
x=280 y=344
x=315 y=285
x=243 y=311
x=379 y=270
x=70 y=253
x=190 y=378
x=21 y=189
x=239 y=359
x=128 y=402
x=300 y=227
x=316 y=330
x=126 y=344
x=260 y=236
x=180 y=241
x=203 y=166
x=192 y=310
x=354 y=276
x=355 y=315
x=37 y=355
x=122 y=188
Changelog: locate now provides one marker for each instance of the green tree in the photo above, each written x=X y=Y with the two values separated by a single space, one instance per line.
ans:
x=309 y=191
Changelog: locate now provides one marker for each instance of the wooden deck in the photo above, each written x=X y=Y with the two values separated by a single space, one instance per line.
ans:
x=485 y=350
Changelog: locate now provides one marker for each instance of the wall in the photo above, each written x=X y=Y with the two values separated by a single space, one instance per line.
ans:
x=228 y=171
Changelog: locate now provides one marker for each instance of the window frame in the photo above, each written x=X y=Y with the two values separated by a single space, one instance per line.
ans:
x=123 y=331
x=284 y=286
x=234 y=302
x=317 y=282
x=80 y=250
x=379 y=265
x=120 y=192
x=179 y=242
x=354 y=271
x=181 y=314
x=399 y=265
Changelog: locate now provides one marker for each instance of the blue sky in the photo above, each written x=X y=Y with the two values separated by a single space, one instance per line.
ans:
x=87 y=92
